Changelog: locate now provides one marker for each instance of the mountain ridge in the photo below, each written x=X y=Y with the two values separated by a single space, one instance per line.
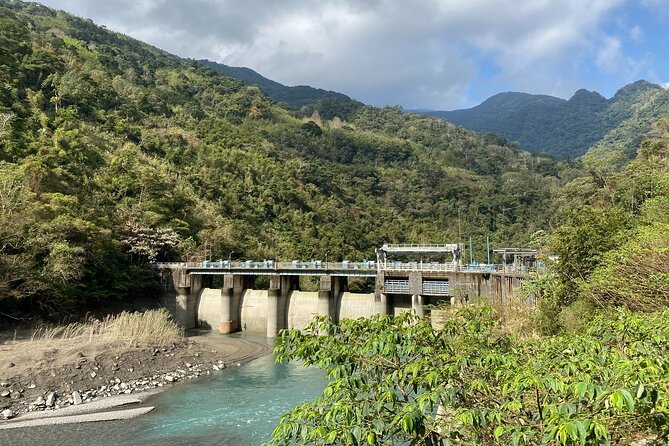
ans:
x=304 y=98
x=546 y=124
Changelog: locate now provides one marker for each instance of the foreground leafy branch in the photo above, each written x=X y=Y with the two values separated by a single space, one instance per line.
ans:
x=399 y=381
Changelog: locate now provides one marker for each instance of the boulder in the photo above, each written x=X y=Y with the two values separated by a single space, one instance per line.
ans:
x=50 y=399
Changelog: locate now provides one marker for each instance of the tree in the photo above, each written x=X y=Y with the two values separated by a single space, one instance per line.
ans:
x=396 y=380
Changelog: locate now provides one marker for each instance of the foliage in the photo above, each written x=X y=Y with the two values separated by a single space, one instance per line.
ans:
x=612 y=241
x=637 y=274
x=397 y=380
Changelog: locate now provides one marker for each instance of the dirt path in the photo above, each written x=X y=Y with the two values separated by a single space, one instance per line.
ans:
x=49 y=375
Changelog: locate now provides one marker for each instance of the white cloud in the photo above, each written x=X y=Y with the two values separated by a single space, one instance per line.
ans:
x=423 y=53
x=610 y=56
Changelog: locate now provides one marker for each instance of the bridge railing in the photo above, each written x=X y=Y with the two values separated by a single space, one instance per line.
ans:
x=346 y=265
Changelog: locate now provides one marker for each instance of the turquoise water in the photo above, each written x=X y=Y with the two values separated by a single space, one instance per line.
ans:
x=239 y=406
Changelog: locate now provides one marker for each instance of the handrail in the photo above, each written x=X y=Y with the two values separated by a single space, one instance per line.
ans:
x=311 y=265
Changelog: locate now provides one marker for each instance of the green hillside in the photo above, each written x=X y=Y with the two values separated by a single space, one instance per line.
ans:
x=115 y=153
x=302 y=98
x=544 y=124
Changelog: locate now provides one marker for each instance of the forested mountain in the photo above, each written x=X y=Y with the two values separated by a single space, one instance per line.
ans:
x=545 y=124
x=114 y=153
x=304 y=98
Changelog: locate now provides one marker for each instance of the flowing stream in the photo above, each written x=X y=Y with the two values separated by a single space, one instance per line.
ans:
x=239 y=406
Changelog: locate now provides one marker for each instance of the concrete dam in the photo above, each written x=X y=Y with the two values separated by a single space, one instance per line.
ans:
x=236 y=304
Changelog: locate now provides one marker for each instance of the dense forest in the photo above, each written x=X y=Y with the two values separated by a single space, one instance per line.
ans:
x=115 y=153
x=546 y=124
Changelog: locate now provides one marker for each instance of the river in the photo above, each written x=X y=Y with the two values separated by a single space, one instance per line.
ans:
x=239 y=406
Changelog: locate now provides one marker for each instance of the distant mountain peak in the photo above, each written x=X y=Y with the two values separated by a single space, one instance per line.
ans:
x=551 y=125
x=329 y=103
x=637 y=87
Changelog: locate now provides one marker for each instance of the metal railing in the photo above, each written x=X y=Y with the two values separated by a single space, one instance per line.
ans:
x=367 y=266
x=396 y=286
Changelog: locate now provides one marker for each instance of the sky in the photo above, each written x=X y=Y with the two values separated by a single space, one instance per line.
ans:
x=420 y=54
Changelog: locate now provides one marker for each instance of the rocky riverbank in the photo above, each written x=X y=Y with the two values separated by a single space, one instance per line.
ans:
x=67 y=377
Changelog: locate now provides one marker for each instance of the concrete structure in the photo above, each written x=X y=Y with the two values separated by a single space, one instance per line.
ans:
x=399 y=286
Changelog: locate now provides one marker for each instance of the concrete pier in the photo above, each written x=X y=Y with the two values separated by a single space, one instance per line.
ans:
x=417 y=305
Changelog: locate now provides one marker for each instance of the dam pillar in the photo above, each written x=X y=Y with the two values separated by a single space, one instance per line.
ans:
x=229 y=319
x=181 y=306
x=196 y=285
x=417 y=305
x=380 y=298
x=273 y=306
x=325 y=297
x=240 y=283
x=416 y=291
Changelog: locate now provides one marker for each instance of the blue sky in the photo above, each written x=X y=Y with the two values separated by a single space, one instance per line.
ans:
x=430 y=54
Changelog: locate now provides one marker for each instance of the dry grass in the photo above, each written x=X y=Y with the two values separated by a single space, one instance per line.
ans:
x=515 y=315
x=154 y=328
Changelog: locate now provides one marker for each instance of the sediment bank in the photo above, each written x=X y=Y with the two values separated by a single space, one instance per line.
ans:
x=55 y=375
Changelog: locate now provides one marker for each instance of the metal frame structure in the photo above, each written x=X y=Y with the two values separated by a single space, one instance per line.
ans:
x=421 y=251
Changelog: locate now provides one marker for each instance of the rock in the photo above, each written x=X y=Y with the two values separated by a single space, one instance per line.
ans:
x=76 y=397
x=123 y=386
x=10 y=365
x=189 y=365
x=4 y=384
x=5 y=393
x=7 y=414
x=50 y=399
x=169 y=378
x=93 y=374
x=15 y=395
x=31 y=386
x=40 y=401
x=215 y=367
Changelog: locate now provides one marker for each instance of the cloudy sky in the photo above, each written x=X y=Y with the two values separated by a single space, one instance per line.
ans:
x=436 y=54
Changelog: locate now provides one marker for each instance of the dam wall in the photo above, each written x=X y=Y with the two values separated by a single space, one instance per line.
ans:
x=300 y=308
x=355 y=305
x=238 y=306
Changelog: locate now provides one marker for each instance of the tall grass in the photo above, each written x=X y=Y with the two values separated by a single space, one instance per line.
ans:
x=150 y=328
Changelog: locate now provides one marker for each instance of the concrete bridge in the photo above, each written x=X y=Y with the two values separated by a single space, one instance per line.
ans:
x=235 y=304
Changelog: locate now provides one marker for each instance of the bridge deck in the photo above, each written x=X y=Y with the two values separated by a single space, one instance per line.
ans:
x=318 y=268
